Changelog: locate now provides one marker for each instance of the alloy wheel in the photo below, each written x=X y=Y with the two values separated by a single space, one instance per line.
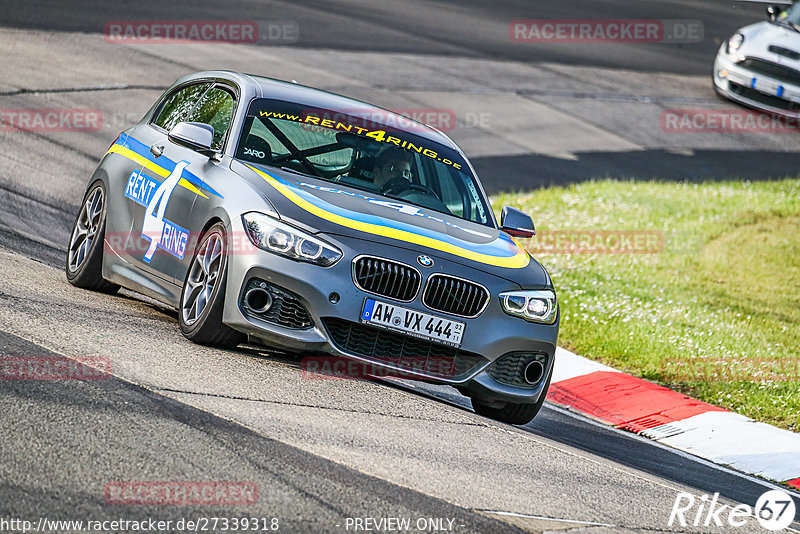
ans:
x=86 y=228
x=203 y=276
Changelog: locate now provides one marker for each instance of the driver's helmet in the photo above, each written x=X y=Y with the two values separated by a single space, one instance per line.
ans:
x=393 y=163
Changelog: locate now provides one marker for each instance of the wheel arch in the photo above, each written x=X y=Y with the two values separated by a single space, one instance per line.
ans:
x=219 y=214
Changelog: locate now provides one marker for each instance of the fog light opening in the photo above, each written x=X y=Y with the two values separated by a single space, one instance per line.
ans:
x=534 y=372
x=258 y=300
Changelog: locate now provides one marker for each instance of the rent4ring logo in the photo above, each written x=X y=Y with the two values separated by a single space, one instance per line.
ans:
x=147 y=192
x=774 y=510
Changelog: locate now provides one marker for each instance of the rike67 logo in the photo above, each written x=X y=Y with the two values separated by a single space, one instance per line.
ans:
x=774 y=510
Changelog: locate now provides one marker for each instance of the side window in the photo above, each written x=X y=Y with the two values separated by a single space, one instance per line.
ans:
x=215 y=108
x=178 y=105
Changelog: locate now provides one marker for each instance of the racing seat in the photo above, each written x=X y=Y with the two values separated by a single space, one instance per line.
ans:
x=362 y=169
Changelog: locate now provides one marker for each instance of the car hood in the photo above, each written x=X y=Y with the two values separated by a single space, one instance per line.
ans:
x=760 y=36
x=319 y=206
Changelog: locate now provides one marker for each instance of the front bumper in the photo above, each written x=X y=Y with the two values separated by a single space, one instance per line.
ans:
x=735 y=82
x=489 y=336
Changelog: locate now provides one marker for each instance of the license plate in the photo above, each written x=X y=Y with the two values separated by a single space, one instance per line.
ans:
x=411 y=322
x=766 y=86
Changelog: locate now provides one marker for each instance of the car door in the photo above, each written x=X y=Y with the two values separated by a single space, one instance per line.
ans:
x=174 y=179
x=133 y=181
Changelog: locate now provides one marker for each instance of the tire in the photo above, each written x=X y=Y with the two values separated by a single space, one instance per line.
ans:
x=201 y=319
x=84 y=262
x=513 y=413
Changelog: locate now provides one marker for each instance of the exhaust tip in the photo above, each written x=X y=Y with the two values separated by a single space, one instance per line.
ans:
x=533 y=372
x=258 y=300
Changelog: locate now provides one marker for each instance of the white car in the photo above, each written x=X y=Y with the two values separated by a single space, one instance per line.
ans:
x=759 y=65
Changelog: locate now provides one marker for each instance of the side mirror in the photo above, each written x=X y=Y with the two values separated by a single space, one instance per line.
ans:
x=774 y=11
x=194 y=135
x=516 y=223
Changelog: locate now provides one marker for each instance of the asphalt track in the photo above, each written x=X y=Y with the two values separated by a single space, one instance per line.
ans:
x=324 y=450
x=450 y=27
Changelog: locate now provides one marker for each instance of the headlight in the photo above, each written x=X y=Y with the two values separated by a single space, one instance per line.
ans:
x=277 y=237
x=539 y=306
x=734 y=43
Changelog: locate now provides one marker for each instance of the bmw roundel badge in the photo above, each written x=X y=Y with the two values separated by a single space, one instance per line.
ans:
x=425 y=261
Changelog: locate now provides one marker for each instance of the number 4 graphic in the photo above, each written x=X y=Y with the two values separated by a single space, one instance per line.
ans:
x=153 y=227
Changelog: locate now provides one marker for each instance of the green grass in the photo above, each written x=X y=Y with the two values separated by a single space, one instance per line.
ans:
x=715 y=314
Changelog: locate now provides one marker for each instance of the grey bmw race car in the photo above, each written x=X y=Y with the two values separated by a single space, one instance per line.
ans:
x=308 y=221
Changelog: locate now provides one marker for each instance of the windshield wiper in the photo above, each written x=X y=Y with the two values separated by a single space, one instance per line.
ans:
x=788 y=24
x=395 y=197
x=295 y=171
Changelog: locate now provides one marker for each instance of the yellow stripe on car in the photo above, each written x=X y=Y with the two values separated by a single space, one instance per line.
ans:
x=517 y=261
x=152 y=167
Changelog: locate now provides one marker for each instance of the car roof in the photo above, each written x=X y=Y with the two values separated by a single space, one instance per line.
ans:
x=254 y=86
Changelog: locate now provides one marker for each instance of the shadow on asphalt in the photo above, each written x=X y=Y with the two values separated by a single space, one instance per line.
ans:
x=532 y=171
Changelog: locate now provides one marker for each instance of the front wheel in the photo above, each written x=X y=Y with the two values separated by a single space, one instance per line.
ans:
x=84 y=265
x=203 y=295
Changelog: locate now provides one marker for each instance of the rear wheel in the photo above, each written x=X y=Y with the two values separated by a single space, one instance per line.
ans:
x=512 y=413
x=203 y=295
x=84 y=265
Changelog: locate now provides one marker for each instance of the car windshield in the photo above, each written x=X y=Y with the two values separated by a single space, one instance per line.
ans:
x=368 y=150
x=791 y=15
